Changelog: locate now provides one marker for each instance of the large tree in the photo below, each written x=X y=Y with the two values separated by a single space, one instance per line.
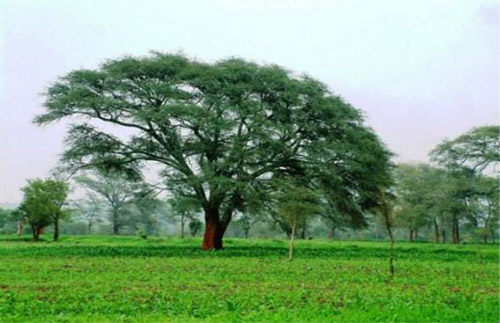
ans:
x=221 y=131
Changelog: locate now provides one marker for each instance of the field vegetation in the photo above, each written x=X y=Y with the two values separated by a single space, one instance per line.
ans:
x=128 y=279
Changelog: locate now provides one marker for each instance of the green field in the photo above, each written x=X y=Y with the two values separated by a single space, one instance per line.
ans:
x=129 y=279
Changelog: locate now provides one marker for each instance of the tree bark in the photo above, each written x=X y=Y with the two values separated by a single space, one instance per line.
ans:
x=411 y=235
x=90 y=227
x=214 y=231
x=444 y=235
x=56 y=229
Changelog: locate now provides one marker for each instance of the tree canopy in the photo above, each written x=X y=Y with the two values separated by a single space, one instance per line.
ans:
x=43 y=204
x=222 y=132
x=476 y=149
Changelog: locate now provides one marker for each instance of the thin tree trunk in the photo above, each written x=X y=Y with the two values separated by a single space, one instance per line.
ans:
x=303 y=232
x=292 y=236
x=56 y=229
x=436 y=232
x=388 y=226
x=454 y=230
x=182 y=226
x=332 y=232
x=416 y=234
x=116 y=228
x=35 y=232
x=20 y=227
x=411 y=235
x=90 y=227
x=443 y=233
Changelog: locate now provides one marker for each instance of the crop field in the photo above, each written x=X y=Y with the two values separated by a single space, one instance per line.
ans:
x=129 y=279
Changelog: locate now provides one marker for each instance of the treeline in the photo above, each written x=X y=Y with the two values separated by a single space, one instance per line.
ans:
x=457 y=201
x=246 y=149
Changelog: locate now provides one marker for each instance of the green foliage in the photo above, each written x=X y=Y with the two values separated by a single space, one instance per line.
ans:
x=195 y=226
x=128 y=279
x=43 y=204
x=477 y=149
x=129 y=201
x=223 y=132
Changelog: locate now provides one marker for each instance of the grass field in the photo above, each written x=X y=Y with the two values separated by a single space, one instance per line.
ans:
x=129 y=279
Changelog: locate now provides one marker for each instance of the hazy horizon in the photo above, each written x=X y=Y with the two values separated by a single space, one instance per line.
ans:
x=421 y=71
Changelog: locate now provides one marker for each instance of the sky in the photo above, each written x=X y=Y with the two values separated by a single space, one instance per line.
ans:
x=421 y=71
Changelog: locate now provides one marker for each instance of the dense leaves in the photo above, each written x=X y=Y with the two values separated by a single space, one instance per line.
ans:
x=221 y=131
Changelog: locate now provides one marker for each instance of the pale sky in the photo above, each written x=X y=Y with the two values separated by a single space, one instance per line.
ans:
x=422 y=71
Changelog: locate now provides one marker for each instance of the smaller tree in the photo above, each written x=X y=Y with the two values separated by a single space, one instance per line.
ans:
x=184 y=209
x=43 y=204
x=195 y=226
x=117 y=190
x=295 y=204
x=90 y=210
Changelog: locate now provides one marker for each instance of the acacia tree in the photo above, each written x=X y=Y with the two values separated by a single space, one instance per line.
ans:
x=185 y=209
x=117 y=190
x=221 y=131
x=90 y=210
x=477 y=150
x=471 y=155
x=43 y=204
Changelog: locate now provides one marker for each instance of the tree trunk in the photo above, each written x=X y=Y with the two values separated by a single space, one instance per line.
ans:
x=444 y=235
x=56 y=229
x=214 y=231
x=36 y=233
x=332 y=232
x=411 y=235
x=436 y=232
x=303 y=232
x=182 y=226
x=116 y=228
x=455 y=230
x=415 y=234
x=292 y=236
x=90 y=227
x=20 y=227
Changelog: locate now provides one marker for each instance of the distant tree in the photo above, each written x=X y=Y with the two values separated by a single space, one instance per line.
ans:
x=184 y=209
x=195 y=226
x=43 y=204
x=221 y=131
x=414 y=189
x=466 y=158
x=90 y=210
x=144 y=210
x=476 y=150
x=117 y=190
x=482 y=206
x=5 y=216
